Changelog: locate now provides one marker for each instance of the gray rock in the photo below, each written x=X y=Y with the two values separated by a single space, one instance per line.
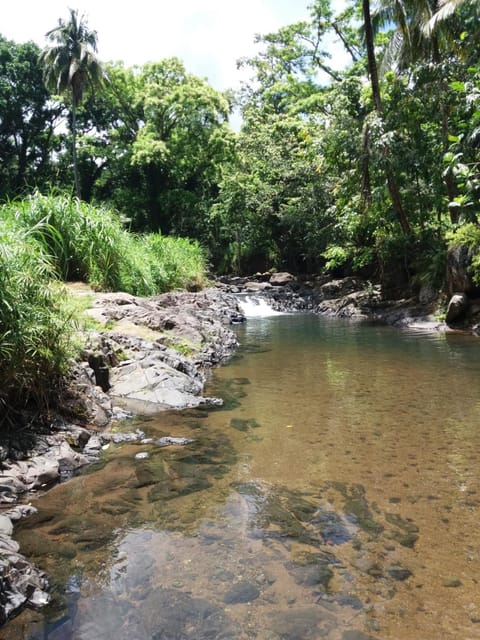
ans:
x=92 y=448
x=427 y=294
x=38 y=599
x=281 y=279
x=339 y=288
x=459 y=278
x=44 y=468
x=20 y=511
x=119 y=438
x=6 y=526
x=257 y=286
x=167 y=441
x=241 y=592
x=457 y=308
x=7 y=544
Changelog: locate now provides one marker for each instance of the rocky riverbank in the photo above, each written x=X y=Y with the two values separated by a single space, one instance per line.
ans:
x=356 y=299
x=145 y=355
x=350 y=298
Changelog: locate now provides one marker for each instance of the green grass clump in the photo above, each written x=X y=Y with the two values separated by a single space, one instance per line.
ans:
x=35 y=330
x=175 y=262
x=89 y=243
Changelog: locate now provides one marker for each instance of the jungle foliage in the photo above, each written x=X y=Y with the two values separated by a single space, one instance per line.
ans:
x=369 y=167
x=365 y=167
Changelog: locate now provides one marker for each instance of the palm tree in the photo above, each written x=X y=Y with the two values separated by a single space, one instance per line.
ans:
x=419 y=35
x=409 y=42
x=70 y=64
x=445 y=9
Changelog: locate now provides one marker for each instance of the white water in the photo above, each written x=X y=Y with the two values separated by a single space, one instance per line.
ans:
x=256 y=307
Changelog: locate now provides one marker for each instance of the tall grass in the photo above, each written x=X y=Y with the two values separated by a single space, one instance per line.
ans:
x=35 y=332
x=90 y=243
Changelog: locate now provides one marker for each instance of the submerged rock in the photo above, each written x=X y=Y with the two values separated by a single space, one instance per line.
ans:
x=356 y=635
x=397 y=572
x=241 y=592
x=307 y=623
x=167 y=441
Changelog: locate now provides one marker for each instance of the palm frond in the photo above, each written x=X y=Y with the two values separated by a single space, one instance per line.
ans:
x=392 y=55
x=446 y=9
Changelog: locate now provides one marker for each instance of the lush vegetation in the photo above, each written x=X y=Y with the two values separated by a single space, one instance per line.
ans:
x=365 y=169
x=372 y=169
x=35 y=331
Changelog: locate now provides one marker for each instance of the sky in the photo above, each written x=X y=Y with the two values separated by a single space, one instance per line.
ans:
x=209 y=36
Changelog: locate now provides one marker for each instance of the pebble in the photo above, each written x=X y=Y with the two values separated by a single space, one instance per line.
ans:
x=452 y=582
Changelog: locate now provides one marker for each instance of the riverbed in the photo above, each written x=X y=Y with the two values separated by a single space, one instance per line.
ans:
x=335 y=495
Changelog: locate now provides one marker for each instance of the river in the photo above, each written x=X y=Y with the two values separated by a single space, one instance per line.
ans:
x=336 y=495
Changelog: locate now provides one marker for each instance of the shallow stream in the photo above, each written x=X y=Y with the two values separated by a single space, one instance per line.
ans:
x=335 y=495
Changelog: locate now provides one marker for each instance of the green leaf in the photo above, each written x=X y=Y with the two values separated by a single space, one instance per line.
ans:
x=457 y=85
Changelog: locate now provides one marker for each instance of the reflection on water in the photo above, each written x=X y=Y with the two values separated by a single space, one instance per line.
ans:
x=335 y=495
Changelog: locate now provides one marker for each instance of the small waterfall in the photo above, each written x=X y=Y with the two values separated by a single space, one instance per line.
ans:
x=256 y=307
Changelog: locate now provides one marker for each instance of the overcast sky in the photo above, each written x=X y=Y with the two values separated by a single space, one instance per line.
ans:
x=208 y=35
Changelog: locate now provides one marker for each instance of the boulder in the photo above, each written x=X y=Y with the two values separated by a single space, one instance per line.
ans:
x=427 y=294
x=281 y=279
x=339 y=288
x=457 y=308
x=257 y=286
x=459 y=279
x=54 y=457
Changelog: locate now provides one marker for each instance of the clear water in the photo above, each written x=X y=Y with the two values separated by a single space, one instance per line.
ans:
x=335 y=495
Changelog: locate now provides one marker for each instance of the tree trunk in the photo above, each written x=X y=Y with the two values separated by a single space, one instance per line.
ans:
x=372 y=63
x=448 y=179
x=393 y=189
x=365 y=168
x=76 y=174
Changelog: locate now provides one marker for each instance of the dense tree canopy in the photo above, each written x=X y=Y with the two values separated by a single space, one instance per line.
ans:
x=27 y=119
x=370 y=169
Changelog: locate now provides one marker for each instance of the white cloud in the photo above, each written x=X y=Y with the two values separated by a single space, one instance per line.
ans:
x=208 y=35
